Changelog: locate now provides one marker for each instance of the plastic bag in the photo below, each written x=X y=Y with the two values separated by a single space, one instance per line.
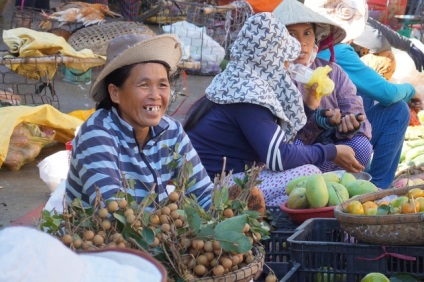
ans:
x=325 y=84
x=54 y=169
x=26 y=142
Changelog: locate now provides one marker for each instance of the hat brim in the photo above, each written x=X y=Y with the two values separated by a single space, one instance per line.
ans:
x=293 y=12
x=157 y=48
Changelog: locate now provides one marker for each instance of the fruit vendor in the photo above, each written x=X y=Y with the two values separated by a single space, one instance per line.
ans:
x=385 y=102
x=336 y=118
x=252 y=111
x=129 y=134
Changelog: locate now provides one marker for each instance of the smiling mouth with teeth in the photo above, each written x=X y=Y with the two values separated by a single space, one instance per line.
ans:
x=152 y=109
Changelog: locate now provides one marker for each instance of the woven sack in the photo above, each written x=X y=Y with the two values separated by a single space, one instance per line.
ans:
x=97 y=37
x=395 y=229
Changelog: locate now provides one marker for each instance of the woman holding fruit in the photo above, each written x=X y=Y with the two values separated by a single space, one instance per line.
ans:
x=129 y=137
x=252 y=111
x=338 y=117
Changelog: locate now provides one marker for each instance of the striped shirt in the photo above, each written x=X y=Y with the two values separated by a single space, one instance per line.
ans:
x=105 y=149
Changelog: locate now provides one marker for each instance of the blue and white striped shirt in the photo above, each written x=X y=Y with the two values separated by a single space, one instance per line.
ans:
x=105 y=148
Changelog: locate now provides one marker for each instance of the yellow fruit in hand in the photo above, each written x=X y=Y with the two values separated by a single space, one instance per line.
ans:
x=355 y=207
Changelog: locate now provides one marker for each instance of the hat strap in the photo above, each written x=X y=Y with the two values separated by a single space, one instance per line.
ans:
x=328 y=43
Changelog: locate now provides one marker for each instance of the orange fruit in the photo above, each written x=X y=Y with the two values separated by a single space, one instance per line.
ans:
x=421 y=201
x=410 y=206
x=370 y=208
x=415 y=193
x=355 y=207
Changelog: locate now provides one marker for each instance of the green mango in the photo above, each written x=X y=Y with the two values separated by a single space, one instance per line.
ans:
x=316 y=191
x=346 y=178
x=297 y=199
x=337 y=193
x=359 y=187
x=292 y=183
x=331 y=176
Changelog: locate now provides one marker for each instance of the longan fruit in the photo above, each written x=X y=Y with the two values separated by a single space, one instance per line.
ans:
x=154 y=219
x=86 y=245
x=155 y=242
x=203 y=260
x=112 y=206
x=164 y=218
x=191 y=263
x=208 y=247
x=271 y=278
x=226 y=262
x=106 y=225
x=122 y=204
x=178 y=223
x=258 y=236
x=137 y=223
x=218 y=270
x=166 y=210
x=117 y=238
x=197 y=244
x=102 y=233
x=235 y=260
x=67 y=239
x=216 y=245
x=98 y=240
x=103 y=213
x=174 y=196
x=88 y=235
x=165 y=227
x=174 y=215
x=128 y=212
x=77 y=243
x=121 y=245
x=200 y=270
x=209 y=255
x=228 y=213
x=249 y=259
x=111 y=245
x=246 y=228
x=185 y=243
x=213 y=262
x=130 y=218
x=173 y=206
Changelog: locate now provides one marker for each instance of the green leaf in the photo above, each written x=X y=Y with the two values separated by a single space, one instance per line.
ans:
x=232 y=241
x=206 y=231
x=120 y=217
x=193 y=219
x=217 y=199
x=148 y=235
x=235 y=224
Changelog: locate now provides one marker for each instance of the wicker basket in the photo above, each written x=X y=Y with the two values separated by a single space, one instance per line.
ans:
x=244 y=274
x=96 y=37
x=396 y=229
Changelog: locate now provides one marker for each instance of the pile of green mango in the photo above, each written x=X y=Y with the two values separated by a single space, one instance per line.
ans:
x=327 y=189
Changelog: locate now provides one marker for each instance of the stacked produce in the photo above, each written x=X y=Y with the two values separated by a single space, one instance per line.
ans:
x=189 y=241
x=328 y=189
x=412 y=157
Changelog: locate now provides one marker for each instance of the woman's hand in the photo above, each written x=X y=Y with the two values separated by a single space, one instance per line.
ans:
x=334 y=116
x=345 y=158
x=350 y=123
x=310 y=98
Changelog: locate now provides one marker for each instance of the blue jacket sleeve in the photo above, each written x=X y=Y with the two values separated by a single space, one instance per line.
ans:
x=268 y=140
x=368 y=82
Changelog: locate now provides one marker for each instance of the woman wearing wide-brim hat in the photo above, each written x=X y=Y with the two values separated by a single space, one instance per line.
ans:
x=129 y=134
x=384 y=102
x=339 y=117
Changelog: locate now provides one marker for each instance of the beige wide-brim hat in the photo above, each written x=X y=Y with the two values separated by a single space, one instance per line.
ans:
x=349 y=14
x=293 y=12
x=130 y=49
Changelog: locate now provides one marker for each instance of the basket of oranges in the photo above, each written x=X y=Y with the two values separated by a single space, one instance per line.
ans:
x=387 y=217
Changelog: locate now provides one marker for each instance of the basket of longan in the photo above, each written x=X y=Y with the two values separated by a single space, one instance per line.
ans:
x=387 y=217
x=218 y=244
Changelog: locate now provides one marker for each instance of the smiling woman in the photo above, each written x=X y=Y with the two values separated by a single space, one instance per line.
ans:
x=129 y=134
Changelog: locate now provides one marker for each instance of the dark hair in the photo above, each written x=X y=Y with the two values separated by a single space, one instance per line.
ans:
x=118 y=78
x=200 y=108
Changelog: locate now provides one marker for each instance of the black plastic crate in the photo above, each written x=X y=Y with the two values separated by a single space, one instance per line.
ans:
x=323 y=249
x=277 y=254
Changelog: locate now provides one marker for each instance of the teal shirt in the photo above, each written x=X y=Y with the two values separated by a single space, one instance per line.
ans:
x=368 y=82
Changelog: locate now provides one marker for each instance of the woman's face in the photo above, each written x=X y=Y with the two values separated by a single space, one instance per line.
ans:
x=144 y=96
x=305 y=34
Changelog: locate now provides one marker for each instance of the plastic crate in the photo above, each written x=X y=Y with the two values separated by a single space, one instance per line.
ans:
x=321 y=247
x=277 y=254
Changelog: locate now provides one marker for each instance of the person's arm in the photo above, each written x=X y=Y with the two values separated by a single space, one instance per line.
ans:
x=268 y=140
x=367 y=81
x=400 y=42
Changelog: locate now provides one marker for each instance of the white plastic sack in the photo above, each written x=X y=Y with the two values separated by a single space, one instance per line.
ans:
x=54 y=168
x=201 y=46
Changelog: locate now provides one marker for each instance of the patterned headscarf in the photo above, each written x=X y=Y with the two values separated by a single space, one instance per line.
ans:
x=256 y=73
